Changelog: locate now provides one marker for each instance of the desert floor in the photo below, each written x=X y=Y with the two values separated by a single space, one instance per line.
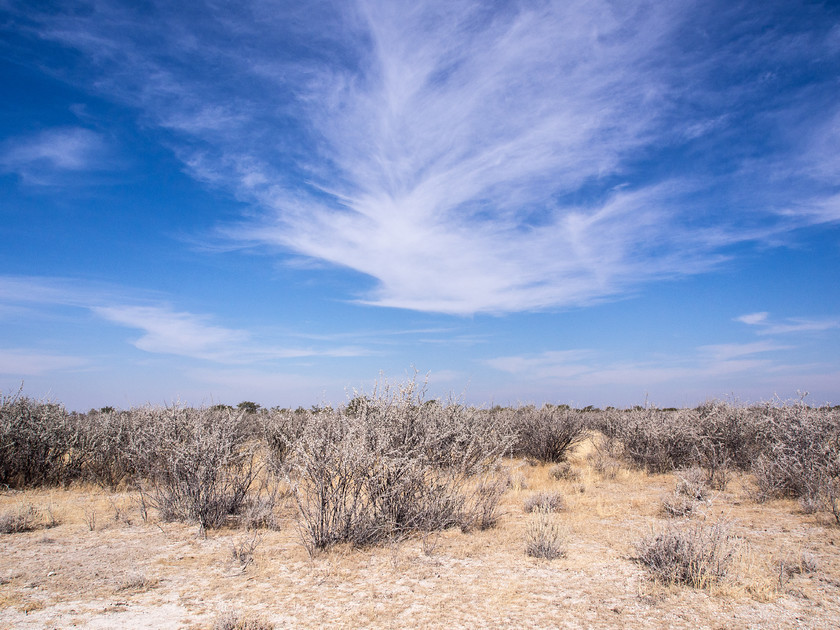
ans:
x=94 y=562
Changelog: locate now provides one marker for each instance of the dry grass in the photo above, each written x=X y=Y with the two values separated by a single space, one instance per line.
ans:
x=545 y=536
x=128 y=572
x=25 y=517
x=699 y=555
x=545 y=502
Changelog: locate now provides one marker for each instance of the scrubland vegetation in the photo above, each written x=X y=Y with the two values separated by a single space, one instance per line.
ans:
x=536 y=486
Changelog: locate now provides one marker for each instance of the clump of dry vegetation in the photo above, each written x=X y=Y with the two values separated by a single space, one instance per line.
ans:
x=546 y=434
x=200 y=464
x=696 y=555
x=545 y=536
x=234 y=620
x=564 y=472
x=545 y=502
x=395 y=464
x=26 y=518
x=790 y=448
x=691 y=490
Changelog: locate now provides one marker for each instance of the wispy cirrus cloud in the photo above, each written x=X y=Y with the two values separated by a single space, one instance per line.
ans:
x=170 y=332
x=484 y=158
x=753 y=319
x=164 y=329
x=65 y=291
x=549 y=364
x=765 y=326
x=47 y=157
x=729 y=351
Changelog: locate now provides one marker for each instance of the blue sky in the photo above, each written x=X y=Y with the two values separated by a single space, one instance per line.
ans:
x=571 y=202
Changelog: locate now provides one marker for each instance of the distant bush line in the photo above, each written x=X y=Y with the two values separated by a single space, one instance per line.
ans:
x=391 y=463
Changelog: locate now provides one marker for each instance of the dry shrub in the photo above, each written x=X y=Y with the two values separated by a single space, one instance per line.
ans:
x=243 y=553
x=203 y=466
x=791 y=449
x=547 y=434
x=696 y=555
x=279 y=430
x=830 y=496
x=728 y=435
x=482 y=509
x=677 y=505
x=516 y=481
x=802 y=457
x=259 y=510
x=394 y=465
x=564 y=472
x=545 y=537
x=691 y=483
x=22 y=519
x=715 y=435
x=234 y=620
x=690 y=490
x=137 y=583
x=26 y=518
x=545 y=502
x=606 y=455
x=796 y=564
x=657 y=441
x=106 y=445
x=38 y=442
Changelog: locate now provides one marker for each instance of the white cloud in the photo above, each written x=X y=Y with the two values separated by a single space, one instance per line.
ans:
x=789 y=325
x=164 y=329
x=549 y=364
x=794 y=325
x=171 y=332
x=455 y=139
x=472 y=157
x=41 y=158
x=728 y=351
x=752 y=318
x=66 y=291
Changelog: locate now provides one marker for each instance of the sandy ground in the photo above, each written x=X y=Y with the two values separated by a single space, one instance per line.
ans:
x=103 y=566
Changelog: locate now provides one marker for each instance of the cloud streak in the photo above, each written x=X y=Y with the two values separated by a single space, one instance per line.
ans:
x=765 y=326
x=46 y=158
x=164 y=330
x=476 y=158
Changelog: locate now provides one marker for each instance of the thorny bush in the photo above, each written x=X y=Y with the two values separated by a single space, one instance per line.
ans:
x=395 y=465
x=201 y=464
x=548 y=433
